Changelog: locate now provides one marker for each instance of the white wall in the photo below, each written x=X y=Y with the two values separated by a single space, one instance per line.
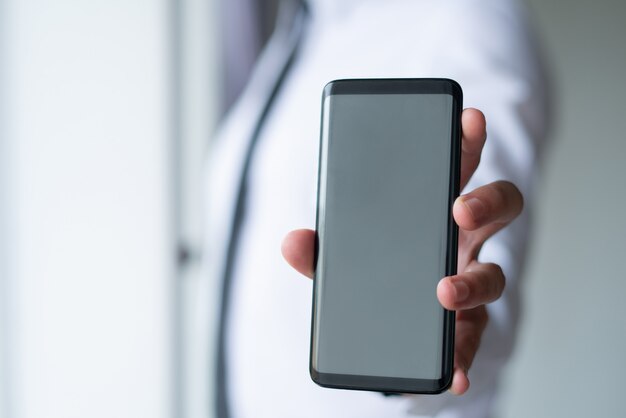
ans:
x=5 y=404
x=570 y=360
x=88 y=255
x=196 y=83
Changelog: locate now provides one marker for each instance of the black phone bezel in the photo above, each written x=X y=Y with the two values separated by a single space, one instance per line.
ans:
x=398 y=86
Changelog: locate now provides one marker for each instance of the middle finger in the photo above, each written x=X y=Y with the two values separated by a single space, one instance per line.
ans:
x=480 y=283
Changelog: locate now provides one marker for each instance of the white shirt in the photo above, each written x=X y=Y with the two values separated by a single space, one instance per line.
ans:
x=484 y=45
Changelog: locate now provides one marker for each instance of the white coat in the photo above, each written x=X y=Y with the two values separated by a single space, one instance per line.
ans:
x=486 y=46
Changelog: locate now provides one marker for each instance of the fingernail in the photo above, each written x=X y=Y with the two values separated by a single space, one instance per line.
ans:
x=462 y=290
x=476 y=207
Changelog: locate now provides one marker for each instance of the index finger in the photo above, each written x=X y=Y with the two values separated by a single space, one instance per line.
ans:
x=474 y=128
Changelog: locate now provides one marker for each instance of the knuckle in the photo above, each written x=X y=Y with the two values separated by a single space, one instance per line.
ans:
x=496 y=280
x=501 y=192
x=509 y=196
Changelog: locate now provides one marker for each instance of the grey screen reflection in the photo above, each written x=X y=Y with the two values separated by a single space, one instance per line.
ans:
x=385 y=234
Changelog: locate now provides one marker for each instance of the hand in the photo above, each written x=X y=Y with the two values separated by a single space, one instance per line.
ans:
x=479 y=214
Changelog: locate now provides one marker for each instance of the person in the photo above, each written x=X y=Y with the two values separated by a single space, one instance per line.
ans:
x=261 y=183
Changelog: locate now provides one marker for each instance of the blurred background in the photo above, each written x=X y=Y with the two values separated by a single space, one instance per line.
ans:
x=106 y=113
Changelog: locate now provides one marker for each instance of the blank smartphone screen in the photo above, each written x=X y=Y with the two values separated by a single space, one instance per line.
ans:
x=385 y=201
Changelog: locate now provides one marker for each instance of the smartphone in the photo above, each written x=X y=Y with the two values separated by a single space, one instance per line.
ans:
x=388 y=175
